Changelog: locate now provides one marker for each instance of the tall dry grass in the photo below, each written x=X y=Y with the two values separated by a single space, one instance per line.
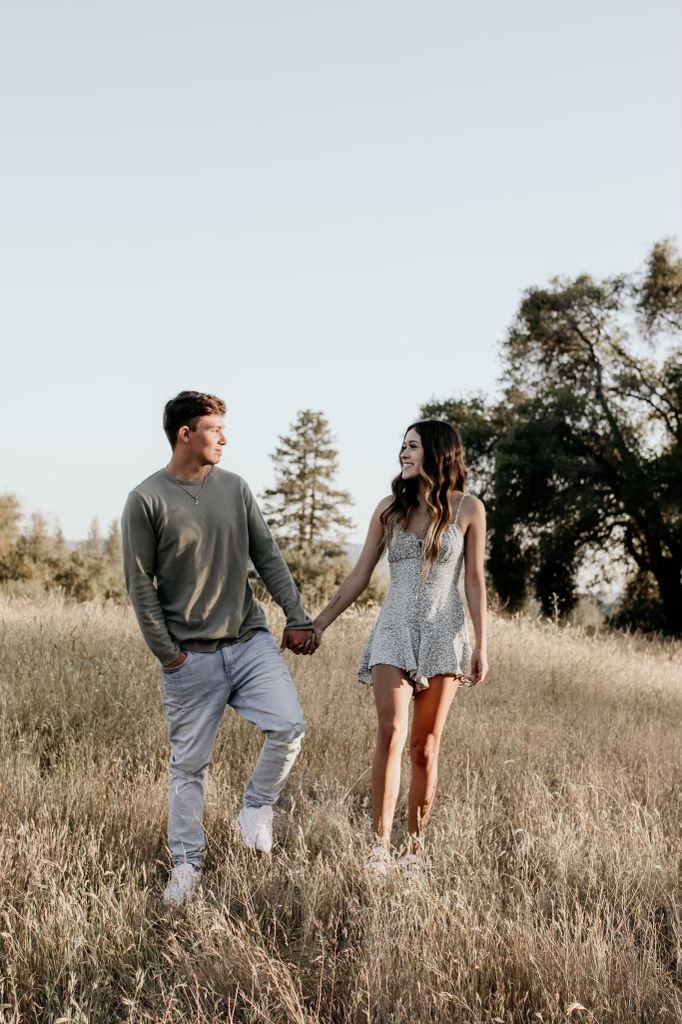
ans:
x=553 y=890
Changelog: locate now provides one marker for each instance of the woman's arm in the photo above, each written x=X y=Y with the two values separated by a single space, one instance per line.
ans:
x=474 y=585
x=357 y=579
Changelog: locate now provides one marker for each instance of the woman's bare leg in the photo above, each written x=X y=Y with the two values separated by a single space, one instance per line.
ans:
x=392 y=696
x=430 y=711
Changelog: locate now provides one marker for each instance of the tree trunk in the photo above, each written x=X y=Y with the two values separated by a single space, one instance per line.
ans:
x=668 y=574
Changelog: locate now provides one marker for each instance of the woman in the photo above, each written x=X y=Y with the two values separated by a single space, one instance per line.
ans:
x=419 y=647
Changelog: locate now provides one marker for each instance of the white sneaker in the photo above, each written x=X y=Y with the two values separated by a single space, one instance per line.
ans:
x=255 y=826
x=182 y=885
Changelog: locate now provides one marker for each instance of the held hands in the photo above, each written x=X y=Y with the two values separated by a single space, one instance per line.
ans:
x=300 y=641
x=303 y=641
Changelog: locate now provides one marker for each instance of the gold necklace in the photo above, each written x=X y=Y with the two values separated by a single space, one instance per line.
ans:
x=194 y=497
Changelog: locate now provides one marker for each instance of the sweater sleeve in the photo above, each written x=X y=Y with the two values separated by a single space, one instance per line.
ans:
x=139 y=552
x=271 y=567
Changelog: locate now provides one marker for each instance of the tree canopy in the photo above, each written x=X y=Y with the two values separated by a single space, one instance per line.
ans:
x=582 y=453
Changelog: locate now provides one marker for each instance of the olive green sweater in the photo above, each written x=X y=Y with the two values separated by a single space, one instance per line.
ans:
x=186 y=565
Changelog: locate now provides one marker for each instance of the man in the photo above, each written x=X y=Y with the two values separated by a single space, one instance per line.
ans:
x=188 y=533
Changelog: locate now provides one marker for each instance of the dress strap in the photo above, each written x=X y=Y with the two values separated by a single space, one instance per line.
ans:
x=459 y=508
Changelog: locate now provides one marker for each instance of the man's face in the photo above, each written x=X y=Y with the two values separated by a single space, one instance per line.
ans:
x=207 y=440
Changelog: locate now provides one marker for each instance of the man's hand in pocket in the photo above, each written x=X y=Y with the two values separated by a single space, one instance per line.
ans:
x=180 y=660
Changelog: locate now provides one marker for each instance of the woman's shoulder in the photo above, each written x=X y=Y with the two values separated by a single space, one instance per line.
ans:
x=376 y=522
x=466 y=504
x=384 y=504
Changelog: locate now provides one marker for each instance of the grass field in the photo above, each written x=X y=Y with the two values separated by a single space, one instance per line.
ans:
x=553 y=891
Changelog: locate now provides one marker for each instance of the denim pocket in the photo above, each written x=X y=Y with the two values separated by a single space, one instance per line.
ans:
x=177 y=668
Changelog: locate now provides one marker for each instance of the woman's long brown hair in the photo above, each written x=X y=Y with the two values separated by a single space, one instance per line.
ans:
x=444 y=471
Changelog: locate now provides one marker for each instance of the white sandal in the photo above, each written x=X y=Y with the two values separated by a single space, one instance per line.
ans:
x=411 y=866
x=379 y=862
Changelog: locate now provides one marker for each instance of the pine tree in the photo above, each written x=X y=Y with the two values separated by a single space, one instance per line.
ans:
x=94 y=545
x=10 y=518
x=112 y=583
x=112 y=544
x=304 y=509
x=37 y=557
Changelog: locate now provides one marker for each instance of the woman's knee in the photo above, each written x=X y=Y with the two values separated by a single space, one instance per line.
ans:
x=424 y=750
x=391 y=734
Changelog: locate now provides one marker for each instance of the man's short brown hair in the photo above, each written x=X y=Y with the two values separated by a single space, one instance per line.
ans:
x=185 y=409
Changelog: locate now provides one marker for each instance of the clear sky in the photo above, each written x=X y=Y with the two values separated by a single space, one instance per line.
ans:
x=294 y=205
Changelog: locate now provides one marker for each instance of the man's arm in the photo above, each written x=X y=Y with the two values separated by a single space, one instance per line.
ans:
x=139 y=548
x=271 y=567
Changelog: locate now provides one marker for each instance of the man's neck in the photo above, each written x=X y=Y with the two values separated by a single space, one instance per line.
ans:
x=187 y=468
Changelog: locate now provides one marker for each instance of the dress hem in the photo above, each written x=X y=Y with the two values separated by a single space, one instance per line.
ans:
x=420 y=682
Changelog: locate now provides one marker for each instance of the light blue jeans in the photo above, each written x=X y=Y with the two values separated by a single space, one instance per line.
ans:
x=252 y=678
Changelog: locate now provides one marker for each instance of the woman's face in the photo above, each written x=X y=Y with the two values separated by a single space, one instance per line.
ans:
x=411 y=455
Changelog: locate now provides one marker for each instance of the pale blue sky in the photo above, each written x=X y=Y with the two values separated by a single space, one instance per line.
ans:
x=302 y=205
